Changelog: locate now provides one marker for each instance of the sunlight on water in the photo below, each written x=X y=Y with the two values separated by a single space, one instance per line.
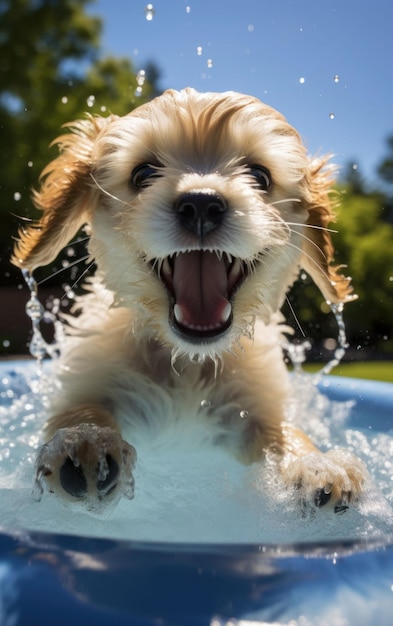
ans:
x=191 y=492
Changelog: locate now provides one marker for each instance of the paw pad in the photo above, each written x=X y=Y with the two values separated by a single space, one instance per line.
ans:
x=90 y=463
x=72 y=479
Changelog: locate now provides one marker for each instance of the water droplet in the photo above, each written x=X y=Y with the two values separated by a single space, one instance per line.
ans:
x=30 y=164
x=188 y=9
x=6 y=343
x=34 y=308
x=138 y=92
x=199 y=50
x=90 y=101
x=243 y=414
x=209 y=63
x=302 y=80
x=149 y=12
x=64 y=100
x=103 y=108
x=17 y=196
x=331 y=116
x=205 y=404
x=336 y=78
x=141 y=77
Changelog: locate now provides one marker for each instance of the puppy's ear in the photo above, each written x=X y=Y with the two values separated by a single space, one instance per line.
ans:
x=318 y=250
x=65 y=196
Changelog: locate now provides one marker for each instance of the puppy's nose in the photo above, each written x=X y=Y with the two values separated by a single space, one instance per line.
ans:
x=200 y=212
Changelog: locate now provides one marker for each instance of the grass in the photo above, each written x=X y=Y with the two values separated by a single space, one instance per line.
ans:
x=372 y=370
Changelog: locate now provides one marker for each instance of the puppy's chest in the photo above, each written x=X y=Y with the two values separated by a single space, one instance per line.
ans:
x=187 y=400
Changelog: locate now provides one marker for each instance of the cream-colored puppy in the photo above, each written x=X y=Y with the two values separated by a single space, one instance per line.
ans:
x=201 y=208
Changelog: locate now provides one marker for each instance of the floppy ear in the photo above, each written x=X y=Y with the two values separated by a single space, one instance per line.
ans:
x=65 y=196
x=318 y=250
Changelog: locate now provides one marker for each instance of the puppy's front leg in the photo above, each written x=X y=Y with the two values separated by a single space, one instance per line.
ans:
x=85 y=457
x=336 y=476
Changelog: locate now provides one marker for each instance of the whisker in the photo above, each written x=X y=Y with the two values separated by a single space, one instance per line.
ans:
x=285 y=200
x=312 y=226
x=313 y=261
x=78 y=279
x=104 y=191
x=74 y=242
x=63 y=269
x=295 y=317
x=311 y=242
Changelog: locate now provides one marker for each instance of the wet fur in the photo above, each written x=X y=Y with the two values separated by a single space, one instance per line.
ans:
x=125 y=364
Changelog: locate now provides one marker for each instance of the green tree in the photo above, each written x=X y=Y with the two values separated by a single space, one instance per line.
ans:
x=385 y=169
x=364 y=243
x=51 y=72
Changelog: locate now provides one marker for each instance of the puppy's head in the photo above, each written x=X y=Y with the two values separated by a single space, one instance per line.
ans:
x=202 y=208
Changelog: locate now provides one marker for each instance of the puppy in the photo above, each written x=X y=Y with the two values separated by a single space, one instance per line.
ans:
x=201 y=210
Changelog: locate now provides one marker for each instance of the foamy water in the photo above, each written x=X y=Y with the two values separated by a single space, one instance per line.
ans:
x=193 y=494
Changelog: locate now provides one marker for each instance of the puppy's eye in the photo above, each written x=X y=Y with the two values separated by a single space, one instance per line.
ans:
x=261 y=175
x=143 y=175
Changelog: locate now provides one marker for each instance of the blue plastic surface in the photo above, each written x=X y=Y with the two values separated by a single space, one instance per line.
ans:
x=49 y=579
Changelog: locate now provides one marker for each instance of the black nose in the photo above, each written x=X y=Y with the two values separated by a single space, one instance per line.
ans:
x=200 y=212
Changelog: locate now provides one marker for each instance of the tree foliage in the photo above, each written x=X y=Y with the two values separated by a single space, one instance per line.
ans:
x=364 y=242
x=385 y=169
x=51 y=72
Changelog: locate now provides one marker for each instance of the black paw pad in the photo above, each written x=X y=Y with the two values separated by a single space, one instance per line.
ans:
x=340 y=508
x=104 y=487
x=321 y=497
x=72 y=479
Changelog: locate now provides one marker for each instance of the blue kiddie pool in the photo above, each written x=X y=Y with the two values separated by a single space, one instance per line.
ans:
x=219 y=550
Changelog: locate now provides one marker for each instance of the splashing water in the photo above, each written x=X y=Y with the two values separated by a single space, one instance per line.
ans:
x=339 y=353
x=38 y=347
x=192 y=493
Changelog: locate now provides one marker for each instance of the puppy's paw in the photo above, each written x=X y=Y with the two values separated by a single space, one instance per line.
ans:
x=337 y=477
x=86 y=462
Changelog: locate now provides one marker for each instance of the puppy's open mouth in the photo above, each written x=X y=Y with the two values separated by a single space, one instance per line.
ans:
x=201 y=285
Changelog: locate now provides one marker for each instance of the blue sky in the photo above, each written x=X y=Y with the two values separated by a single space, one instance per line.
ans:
x=327 y=65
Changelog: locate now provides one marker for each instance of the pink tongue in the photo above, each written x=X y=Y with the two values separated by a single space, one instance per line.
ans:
x=200 y=283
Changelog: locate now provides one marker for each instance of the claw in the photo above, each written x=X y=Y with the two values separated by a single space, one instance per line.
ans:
x=321 y=497
x=340 y=508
